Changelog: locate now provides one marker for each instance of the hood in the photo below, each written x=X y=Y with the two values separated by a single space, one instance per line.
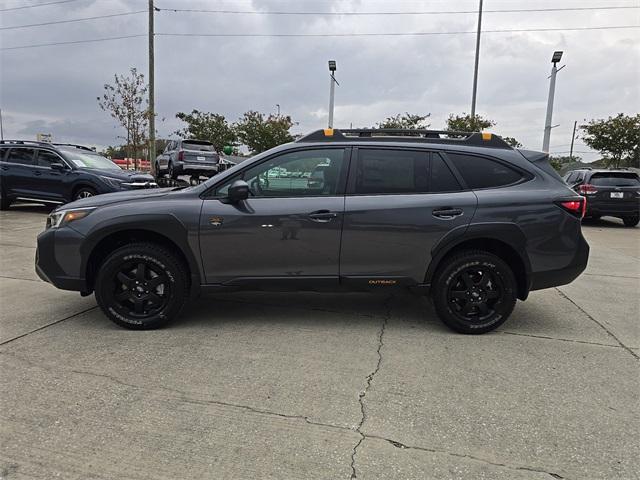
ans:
x=125 y=175
x=125 y=195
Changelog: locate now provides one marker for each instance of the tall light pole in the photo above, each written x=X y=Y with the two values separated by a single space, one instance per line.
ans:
x=332 y=89
x=573 y=137
x=475 y=70
x=557 y=55
x=152 y=100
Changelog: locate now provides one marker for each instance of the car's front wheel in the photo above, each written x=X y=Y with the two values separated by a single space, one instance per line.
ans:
x=141 y=286
x=631 y=221
x=474 y=292
x=84 y=192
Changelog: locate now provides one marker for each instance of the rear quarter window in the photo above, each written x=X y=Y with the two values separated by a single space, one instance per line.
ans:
x=482 y=172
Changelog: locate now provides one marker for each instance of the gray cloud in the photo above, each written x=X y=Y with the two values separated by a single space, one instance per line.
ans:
x=54 y=89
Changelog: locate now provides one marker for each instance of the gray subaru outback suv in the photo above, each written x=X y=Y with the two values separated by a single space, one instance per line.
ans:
x=463 y=217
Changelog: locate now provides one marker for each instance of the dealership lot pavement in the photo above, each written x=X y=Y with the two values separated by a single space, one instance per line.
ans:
x=318 y=386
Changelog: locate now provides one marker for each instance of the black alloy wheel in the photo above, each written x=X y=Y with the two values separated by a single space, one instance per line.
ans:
x=141 y=286
x=474 y=291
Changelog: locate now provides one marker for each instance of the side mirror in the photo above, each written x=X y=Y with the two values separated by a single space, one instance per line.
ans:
x=58 y=167
x=238 y=191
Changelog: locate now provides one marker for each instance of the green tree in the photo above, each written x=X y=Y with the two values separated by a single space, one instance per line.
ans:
x=208 y=126
x=406 y=121
x=478 y=123
x=616 y=138
x=259 y=133
x=467 y=123
x=126 y=101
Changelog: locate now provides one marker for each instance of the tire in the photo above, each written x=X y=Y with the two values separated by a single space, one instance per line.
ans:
x=5 y=202
x=153 y=302
x=631 y=221
x=158 y=171
x=474 y=292
x=84 y=192
x=172 y=173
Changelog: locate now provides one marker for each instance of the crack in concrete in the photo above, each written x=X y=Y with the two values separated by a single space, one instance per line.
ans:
x=611 y=334
x=397 y=444
x=584 y=342
x=361 y=396
x=48 y=325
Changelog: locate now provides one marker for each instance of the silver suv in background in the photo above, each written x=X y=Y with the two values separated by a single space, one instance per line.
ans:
x=188 y=157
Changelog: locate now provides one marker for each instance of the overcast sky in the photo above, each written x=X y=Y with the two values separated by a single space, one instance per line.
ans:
x=53 y=89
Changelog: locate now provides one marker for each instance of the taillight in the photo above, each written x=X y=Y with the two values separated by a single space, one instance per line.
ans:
x=180 y=156
x=587 y=189
x=575 y=207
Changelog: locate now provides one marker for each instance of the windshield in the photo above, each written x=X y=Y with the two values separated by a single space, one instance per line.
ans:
x=615 y=180
x=200 y=146
x=83 y=159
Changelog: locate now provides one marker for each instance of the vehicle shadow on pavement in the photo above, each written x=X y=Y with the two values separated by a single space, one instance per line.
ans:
x=608 y=222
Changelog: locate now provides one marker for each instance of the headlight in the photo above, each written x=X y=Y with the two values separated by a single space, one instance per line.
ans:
x=112 y=182
x=63 y=217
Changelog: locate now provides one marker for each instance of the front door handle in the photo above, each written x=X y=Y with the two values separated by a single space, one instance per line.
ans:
x=37 y=173
x=5 y=168
x=447 y=213
x=322 y=216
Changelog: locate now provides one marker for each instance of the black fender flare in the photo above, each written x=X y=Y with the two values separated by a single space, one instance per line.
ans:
x=163 y=224
x=504 y=232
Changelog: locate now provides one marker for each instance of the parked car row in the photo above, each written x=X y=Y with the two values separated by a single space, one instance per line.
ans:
x=614 y=193
x=60 y=173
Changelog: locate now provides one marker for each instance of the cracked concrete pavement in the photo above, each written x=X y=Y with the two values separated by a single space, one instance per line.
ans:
x=320 y=386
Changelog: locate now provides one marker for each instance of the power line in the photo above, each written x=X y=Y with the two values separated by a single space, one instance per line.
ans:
x=398 y=34
x=434 y=12
x=72 y=20
x=319 y=35
x=93 y=40
x=37 y=5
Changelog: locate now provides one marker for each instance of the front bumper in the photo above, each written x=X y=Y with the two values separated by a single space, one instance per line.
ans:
x=58 y=259
x=567 y=274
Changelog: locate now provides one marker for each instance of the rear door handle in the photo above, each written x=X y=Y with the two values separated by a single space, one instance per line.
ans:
x=5 y=168
x=447 y=212
x=37 y=173
x=322 y=216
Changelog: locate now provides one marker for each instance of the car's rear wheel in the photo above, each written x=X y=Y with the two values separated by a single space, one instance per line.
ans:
x=474 y=292
x=5 y=202
x=141 y=286
x=172 y=172
x=84 y=192
x=631 y=221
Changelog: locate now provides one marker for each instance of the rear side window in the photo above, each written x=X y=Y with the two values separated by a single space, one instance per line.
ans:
x=442 y=180
x=391 y=171
x=23 y=156
x=481 y=172
x=615 y=179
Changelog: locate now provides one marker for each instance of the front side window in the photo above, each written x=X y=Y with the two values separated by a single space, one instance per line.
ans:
x=23 y=156
x=45 y=159
x=383 y=171
x=305 y=173
x=481 y=172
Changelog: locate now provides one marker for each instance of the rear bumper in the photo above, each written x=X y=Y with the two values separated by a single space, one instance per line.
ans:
x=562 y=276
x=195 y=168
x=58 y=261
x=619 y=208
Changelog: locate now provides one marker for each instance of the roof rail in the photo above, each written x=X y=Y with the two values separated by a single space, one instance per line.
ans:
x=83 y=147
x=23 y=142
x=479 y=139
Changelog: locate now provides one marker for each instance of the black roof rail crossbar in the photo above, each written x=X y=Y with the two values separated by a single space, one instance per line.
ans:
x=83 y=147
x=23 y=142
x=480 y=139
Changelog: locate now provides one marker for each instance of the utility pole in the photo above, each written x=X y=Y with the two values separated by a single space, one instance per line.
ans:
x=278 y=107
x=152 y=106
x=557 y=55
x=332 y=90
x=1 y=127
x=573 y=136
x=475 y=70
